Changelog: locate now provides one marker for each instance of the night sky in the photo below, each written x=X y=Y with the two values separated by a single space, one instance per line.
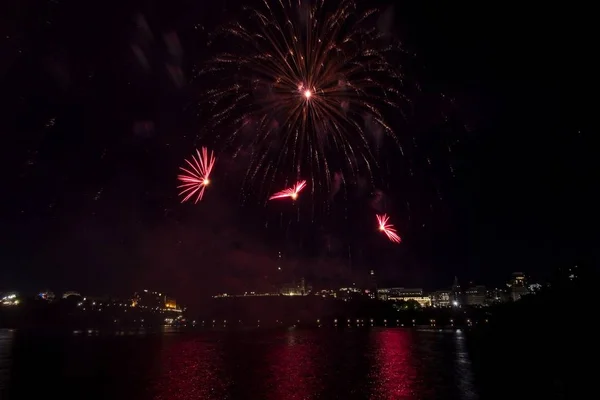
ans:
x=98 y=113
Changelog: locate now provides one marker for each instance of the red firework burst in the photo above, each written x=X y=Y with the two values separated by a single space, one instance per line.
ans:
x=196 y=179
x=290 y=192
x=388 y=229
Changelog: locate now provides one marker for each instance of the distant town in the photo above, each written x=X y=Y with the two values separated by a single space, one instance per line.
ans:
x=296 y=303
x=454 y=296
x=72 y=309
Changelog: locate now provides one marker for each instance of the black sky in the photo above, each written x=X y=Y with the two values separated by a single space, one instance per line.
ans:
x=92 y=136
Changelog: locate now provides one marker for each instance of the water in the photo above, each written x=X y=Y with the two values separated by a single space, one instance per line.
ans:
x=289 y=364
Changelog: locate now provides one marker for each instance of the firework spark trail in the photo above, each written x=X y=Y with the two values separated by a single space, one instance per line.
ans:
x=290 y=192
x=305 y=80
x=388 y=229
x=195 y=180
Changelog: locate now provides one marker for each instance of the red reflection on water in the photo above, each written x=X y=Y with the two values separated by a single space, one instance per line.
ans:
x=394 y=373
x=190 y=369
x=293 y=370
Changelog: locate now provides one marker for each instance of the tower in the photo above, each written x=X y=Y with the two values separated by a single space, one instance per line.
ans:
x=456 y=293
x=302 y=286
x=373 y=284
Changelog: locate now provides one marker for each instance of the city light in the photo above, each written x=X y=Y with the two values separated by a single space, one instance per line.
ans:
x=10 y=300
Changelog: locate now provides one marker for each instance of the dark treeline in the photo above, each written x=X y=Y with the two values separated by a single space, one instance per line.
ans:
x=553 y=328
x=69 y=314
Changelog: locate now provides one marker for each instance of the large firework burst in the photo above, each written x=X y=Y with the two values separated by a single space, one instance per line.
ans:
x=306 y=89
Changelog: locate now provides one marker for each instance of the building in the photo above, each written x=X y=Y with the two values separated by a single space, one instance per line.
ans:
x=517 y=286
x=170 y=303
x=10 y=299
x=400 y=292
x=476 y=296
x=372 y=291
x=327 y=293
x=349 y=293
x=301 y=289
x=383 y=293
x=405 y=294
x=456 y=297
x=246 y=294
x=496 y=296
x=441 y=298
x=46 y=295
x=517 y=279
x=424 y=301
x=154 y=301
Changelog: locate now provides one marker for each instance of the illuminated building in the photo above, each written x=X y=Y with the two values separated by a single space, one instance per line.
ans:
x=327 y=293
x=69 y=294
x=411 y=292
x=296 y=290
x=441 y=298
x=424 y=301
x=148 y=299
x=373 y=292
x=349 y=293
x=383 y=293
x=400 y=292
x=476 y=296
x=405 y=294
x=518 y=286
x=534 y=287
x=495 y=296
x=10 y=299
x=456 y=293
x=154 y=301
x=518 y=279
x=246 y=294
x=170 y=303
x=46 y=295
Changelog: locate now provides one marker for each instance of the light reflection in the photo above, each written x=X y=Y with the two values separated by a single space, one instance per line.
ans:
x=6 y=345
x=393 y=371
x=464 y=370
x=293 y=372
x=191 y=369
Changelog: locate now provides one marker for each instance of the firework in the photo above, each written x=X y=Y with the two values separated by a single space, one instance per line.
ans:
x=290 y=192
x=195 y=179
x=307 y=80
x=388 y=229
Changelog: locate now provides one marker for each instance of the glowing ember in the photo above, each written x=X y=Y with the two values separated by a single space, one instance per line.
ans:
x=388 y=229
x=195 y=179
x=290 y=192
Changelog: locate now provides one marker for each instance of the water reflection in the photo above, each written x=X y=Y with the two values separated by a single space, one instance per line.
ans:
x=6 y=340
x=377 y=364
x=393 y=366
x=464 y=370
x=294 y=371
x=191 y=369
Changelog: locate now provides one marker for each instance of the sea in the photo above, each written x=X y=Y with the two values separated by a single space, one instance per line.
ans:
x=287 y=363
